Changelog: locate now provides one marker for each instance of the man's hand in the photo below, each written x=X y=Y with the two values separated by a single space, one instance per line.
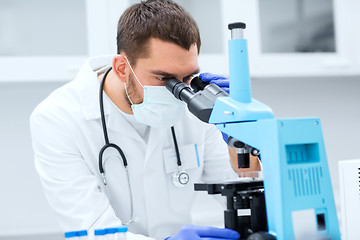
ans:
x=219 y=80
x=191 y=232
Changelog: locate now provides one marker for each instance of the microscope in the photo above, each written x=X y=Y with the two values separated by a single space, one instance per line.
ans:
x=294 y=199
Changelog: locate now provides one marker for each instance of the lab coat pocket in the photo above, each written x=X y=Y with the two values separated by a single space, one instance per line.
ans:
x=192 y=160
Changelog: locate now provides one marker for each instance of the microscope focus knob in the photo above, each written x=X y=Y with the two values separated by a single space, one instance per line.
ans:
x=234 y=25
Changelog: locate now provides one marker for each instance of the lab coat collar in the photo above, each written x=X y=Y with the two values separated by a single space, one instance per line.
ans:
x=88 y=87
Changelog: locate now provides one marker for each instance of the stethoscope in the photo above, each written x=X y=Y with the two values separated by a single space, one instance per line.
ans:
x=180 y=177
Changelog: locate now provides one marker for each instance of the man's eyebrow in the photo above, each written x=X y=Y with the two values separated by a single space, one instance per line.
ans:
x=193 y=73
x=167 y=74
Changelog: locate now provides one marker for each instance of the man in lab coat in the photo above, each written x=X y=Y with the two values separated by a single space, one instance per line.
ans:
x=156 y=40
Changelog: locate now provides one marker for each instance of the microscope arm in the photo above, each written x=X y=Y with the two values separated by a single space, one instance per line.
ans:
x=200 y=102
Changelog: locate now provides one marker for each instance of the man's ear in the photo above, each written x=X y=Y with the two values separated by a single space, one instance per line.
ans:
x=119 y=66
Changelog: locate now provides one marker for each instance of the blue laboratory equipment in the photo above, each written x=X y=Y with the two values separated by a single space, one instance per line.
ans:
x=296 y=182
x=115 y=233
x=298 y=192
x=76 y=235
x=99 y=234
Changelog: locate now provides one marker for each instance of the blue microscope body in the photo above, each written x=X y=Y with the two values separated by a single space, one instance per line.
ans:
x=294 y=200
x=297 y=185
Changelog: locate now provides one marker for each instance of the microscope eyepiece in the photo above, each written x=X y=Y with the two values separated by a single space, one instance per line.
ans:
x=197 y=84
x=171 y=83
x=179 y=89
x=201 y=101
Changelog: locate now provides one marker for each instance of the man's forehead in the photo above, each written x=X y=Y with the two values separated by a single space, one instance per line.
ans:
x=170 y=59
x=158 y=47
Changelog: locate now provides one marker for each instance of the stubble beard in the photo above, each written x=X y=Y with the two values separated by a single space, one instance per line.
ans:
x=131 y=91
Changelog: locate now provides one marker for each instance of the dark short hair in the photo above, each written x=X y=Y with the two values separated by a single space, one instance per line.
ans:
x=162 y=19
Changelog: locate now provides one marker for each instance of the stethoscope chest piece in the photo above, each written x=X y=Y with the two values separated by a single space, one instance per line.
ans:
x=180 y=178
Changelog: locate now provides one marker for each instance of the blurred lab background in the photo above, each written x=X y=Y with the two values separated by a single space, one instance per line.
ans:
x=304 y=62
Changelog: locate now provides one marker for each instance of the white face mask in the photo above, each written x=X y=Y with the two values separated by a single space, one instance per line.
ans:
x=159 y=107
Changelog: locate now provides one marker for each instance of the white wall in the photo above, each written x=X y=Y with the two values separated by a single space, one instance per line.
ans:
x=23 y=207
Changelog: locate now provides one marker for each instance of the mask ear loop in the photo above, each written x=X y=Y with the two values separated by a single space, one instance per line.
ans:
x=128 y=94
x=132 y=70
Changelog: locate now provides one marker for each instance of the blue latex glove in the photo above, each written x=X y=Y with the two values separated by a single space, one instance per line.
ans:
x=191 y=232
x=219 y=80
x=225 y=137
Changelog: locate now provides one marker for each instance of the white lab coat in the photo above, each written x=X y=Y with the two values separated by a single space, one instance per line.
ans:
x=67 y=136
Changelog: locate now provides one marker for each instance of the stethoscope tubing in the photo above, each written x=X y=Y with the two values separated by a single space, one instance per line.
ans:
x=111 y=145
x=118 y=149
